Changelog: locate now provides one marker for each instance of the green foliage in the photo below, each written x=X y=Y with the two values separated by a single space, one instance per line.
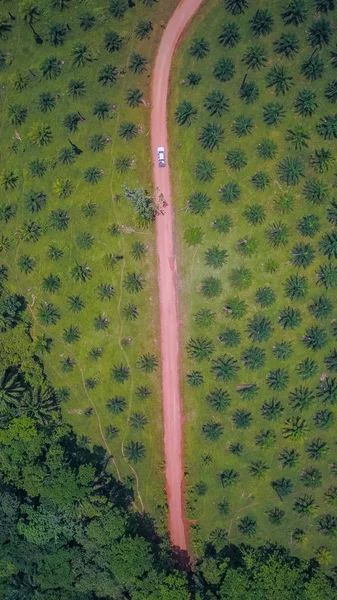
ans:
x=312 y=68
x=198 y=203
x=199 y=48
x=230 y=35
x=278 y=379
x=185 y=113
x=211 y=136
x=305 y=103
x=255 y=57
x=216 y=103
x=224 y=69
x=224 y=368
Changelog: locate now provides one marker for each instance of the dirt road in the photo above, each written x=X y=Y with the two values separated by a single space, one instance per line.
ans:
x=167 y=275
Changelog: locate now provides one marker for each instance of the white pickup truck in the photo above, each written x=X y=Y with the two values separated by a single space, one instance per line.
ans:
x=161 y=156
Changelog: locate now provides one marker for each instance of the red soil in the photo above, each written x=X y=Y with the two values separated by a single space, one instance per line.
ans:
x=167 y=274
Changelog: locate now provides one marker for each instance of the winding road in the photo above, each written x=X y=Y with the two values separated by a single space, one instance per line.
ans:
x=167 y=275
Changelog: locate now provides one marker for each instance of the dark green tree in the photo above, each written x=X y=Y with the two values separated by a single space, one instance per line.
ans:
x=199 y=48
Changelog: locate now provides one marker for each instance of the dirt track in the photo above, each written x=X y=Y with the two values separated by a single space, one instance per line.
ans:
x=167 y=274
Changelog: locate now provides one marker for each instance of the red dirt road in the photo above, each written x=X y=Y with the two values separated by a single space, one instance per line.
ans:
x=167 y=275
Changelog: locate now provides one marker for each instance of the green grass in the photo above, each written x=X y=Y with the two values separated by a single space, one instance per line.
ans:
x=122 y=342
x=204 y=459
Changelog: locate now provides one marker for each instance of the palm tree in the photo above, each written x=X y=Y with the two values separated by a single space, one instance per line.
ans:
x=296 y=287
x=63 y=188
x=294 y=13
x=327 y=524
x=200 y=348
x=302 y=255
x=306 y=103
x=331 y=91
x=309 y=225
x=87 y=21
x=148 y=363
x=41 y=134
x=81 y=55
x=211 y=136
x=111 y=432
x=307 y=368
x=46 y=102
x=242 y=126
x=331 y=361
x=290 y=318
x=320 y=32
x=51 y=67
x=272 y=410
x=321 y=159
x=123 y=163
x=277 y=380
x=221 y=225
x=35 y=201
x=81 y=273
x=67 y=364
x=265 y=296
x=138 y=250
x=92 y=175
x=26 y=264
x=71 y=334
x=37 y=168
x=30 y=12
x=71 y=121
x=259 y=328
x=312 y=68
x=327 y=390
x=262 y=22
x=224 y=69
x=328 y=244
x=216 y=103
x=134 y=97
x=130 y=312
x=51 y=284
x=287 y=45
x=258 y=468
x=11 y=387
x=230 y=35
x=66 y=156
x=327 y=127
x=48 y=314
x=316 y=191
x=230 y=192
x=288 y=458
x=195 y=378
x=301 y=398
x=135 y=451
x=108 y=75
x=17 y=114
x=137 y=63
x=315 y=338
x=84 y=240
x=260 y=180
x=211 y=287
x=97 y=142
x=327 y=276
x=5 y=28
x=295 y=428
x=192 y=79
x=138 y=421
x=212 y=430
x=43 y=344
x=57 y=33
x=76 y=89
x=59 y=220
x=277 y=234
x=101 y=110
x=199 y=48
x=331 y=495
x=247 y=526
x=101 y=323
x=291 y=168
x=113 y=42
x=9 y=180
x=60 y=4
x=240 y=278
x=143 y=30
x=118 y=8
x=317 y=449
x=305 y=505
x=216 y=257
x=228 y=477
x=311 y=477
x=255 y=57
x=265 y=438
x=185 y=113
x=133 y=282
x=236 y=159
x=127 y=130
x=297 y=137
x=283 y=487
x=276 y=515
x=236 y=449
x=204 y=170
x=273 y=113
x=253 y=358
x=31 y=231
x=236 y=7
x=224 y=368
x=198 y=203
x=218 y=399
x=249 y=92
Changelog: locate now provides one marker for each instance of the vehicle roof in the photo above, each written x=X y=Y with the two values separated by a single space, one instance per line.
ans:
x=161 y=149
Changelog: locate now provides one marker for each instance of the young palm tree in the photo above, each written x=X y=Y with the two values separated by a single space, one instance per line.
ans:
x=138 y=250
x=84 y=240
x=216 y=103
x=331 y=91
x=71 y=121
x=272 y=410
x=288 y=458
x=265 y=296
x=63 y=188
x=259 y=328
x=31 y=231
x=107 y=75
x=247 y=526
x=97 y=142
x=296 y=287
x=297 y=137
x=9 y=180
x=57 y=34
x=199 y=48
x=118 y=8
x=224 y=368
x=17 y=114
x=101 y=323
x=113 y=42
x=81 y=273
x=287 y=45
x=192 y=79
x=89 y=209
x=122 y=164
x=295 y=13
x=200 y=348
x=242 y=126
x=216 y=257
x=95 y=353
x=265 y=438
x=328 y=244
x=134 y=97
x=331 y=361
x=120 y=373
x=127 y=130
x=48 y=314
x=317 y=449
x=236 y=449
x=37 y=168
x=185 y=113
x=211 y=287
x=258 y=468
x=230 y=192
x=262 y=22
x=59 y=220
x=143 y=30
x=277 y=234
x=218 y=399
x=236 y=159
x=236 y=7
x=111 y=432
x=76 y=89
x=138 y=63
x=101 y=110
x=211 y=136
x=324 y=419
x=5 y=28
x=260 y=180
x=204 y=318
x=135 y=452
x=230 y=35
x=204 y=170
x=309 y=225
x=327 y=276
x=148 y=363
x=138 y=421
x=221 y=224
x=327 y=390
x=30 y=12
x=283 y=487
x=291 y=168
x=321 y=160
x=81 y=55
x=302 y=255
x=311 y=477
x=195 y=378
x=312 y=68
x=66 y=156
x=327 y=127
x=307 y=369
x=255 y=57
x=320 y=32
x=41 y=134
x=198 y=203
x=277 y=380
x=315 y=338
x=306 y=103
x=276 y=515
x=51 y=67
x=295 y=428
x=116 y=405
x=93 y=175
x=240 y=278
x=212 y=430
x=224 y=69
x=87 y=21
x=26 y=264
x=255 y=214
x=301 y=398
x=305 y=505
x=46 y=102
x=253 y=358
x=273 y=113
x=249 y=92
x=236 y=307
x=71 y=334
x=327 y=524
x=228 y=477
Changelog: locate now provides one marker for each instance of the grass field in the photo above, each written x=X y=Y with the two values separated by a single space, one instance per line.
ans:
x=97 y=227
x=260 y=461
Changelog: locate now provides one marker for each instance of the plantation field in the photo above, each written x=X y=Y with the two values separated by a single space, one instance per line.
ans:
x=253 y=151
x=74 y=130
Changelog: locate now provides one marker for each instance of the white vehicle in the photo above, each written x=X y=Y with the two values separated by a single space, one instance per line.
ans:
x=161 y=156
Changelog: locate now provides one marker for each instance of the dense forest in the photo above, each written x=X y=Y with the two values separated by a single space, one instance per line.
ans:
x=70 y=531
